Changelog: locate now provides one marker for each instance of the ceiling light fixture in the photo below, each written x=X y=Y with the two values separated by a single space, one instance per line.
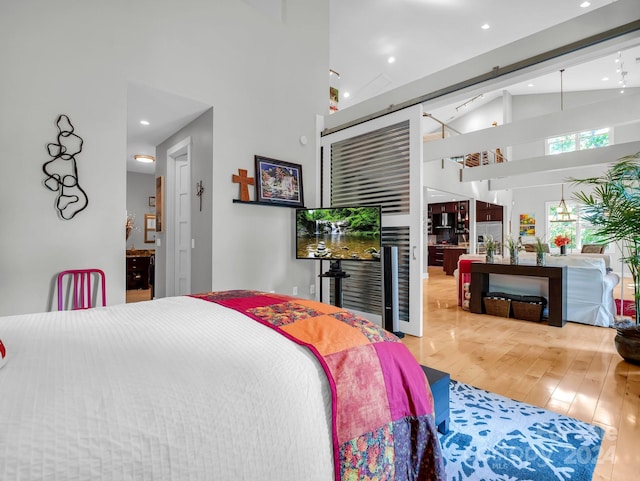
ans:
x=485 y=26
x=147 y=159
x=623 y=73
x=585 y=4
x=346 y=95
x=563 y=214
x=391 y=59
x=144 y=122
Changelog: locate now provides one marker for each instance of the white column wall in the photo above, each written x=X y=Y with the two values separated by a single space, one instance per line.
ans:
x=267 y=81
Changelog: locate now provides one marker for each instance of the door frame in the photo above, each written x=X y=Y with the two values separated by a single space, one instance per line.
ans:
x=177 y=150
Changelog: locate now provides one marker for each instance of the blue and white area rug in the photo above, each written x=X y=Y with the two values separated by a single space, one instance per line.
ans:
x=492 y=438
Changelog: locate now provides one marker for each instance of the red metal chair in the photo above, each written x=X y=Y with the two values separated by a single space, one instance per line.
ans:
x=79 y=284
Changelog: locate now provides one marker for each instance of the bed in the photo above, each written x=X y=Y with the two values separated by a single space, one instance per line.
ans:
x=238 y=385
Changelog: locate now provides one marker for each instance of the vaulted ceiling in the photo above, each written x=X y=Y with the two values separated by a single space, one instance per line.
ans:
x=423 y=37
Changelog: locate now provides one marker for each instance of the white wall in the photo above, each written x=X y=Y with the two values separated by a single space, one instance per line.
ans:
x=529 y=106
x=266 y=80
x=139 y=188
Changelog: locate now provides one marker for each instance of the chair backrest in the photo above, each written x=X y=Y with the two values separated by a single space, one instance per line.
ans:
x=593 y=248
x=80 y=287
x=529 y=247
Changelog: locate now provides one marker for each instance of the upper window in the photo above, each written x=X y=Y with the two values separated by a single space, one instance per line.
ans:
x=589 y=139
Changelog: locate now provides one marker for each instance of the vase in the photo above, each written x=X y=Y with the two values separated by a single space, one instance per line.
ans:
x=540 y=259
x=513 y=256
x=563 y=250
x=489 y=257
x=628 y=344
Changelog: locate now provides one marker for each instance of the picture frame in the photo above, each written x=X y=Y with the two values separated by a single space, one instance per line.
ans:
x=152 y=201
x=149 y=228
x=278 y=182
x=159 y=203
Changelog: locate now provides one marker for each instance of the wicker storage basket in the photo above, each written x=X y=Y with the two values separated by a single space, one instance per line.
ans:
x=529 y=308
x=497 y=304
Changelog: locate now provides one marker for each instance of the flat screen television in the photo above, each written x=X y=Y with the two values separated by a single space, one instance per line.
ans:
x=339 y=233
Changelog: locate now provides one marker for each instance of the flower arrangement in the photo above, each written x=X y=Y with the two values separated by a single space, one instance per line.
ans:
x=129 y=224
x=561 y=240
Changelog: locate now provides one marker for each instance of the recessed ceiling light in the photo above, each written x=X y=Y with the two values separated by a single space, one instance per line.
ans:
x=147 y=159
x=622 y=91
x=604 y=79
x=585 y=4
x=346 y=95
x=391 y=59
x=485 y=26
x=530 y=85
x=144 y=122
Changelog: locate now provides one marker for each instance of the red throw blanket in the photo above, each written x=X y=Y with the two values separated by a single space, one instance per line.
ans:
x=382 y=407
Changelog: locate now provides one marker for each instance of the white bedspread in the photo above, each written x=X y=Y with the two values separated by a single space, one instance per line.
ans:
x=171 y=389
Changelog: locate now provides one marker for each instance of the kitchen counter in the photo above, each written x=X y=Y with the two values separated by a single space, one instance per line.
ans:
x=446 y=255
x=450 y=259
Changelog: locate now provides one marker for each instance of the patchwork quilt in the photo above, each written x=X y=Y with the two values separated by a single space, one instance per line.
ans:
x=383 y=424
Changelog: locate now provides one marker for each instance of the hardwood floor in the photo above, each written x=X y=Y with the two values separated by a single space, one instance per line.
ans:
x=574 y=370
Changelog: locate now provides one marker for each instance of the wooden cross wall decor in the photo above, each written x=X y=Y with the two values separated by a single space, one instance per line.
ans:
x=244 y=182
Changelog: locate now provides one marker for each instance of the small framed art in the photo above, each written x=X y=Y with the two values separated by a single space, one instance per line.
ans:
x=149 y=228
x=278 y=182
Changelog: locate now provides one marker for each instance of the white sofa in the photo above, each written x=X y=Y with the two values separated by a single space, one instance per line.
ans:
x=589 y=285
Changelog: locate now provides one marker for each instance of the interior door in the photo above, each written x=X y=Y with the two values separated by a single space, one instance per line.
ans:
x=183 y=225
x=178 y=225
x=380 y=162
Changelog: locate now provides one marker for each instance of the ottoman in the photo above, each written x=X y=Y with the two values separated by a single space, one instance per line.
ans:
x=439 y=383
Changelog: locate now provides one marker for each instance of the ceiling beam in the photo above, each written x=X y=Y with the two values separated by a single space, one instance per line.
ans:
x=518 y=173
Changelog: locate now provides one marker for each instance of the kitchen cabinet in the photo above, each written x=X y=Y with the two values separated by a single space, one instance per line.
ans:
x=442 y=207
x=461 y=218
x=450 y=258
x=436 y=255
x=487 y=212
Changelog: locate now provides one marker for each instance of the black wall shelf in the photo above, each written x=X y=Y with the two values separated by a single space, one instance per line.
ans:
x=272 y=204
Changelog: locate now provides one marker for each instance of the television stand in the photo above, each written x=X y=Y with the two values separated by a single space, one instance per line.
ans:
x=335 y=271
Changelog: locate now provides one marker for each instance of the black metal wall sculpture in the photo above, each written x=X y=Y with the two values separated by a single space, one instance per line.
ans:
x=62 y=171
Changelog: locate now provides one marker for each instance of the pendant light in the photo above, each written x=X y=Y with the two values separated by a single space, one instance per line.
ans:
x=563 y=214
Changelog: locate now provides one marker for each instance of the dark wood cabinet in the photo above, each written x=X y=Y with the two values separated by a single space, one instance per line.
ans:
x=138 y=272
x=436 y=256
x=450 y=259
x=487 y=212
x=461 y=219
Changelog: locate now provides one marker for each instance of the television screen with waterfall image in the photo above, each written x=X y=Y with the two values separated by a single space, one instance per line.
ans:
x=339 y=233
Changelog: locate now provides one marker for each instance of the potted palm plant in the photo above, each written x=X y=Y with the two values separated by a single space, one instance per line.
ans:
x=512 y=245
x=613 y=208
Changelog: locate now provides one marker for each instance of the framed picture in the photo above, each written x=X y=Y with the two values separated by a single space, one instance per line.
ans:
x=527 y=224
x=149 y=228
x=159 y=203
x=152 y=201
x=278 y=182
